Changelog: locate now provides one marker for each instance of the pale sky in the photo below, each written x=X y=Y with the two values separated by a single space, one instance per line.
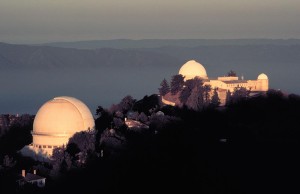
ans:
x=37 y=21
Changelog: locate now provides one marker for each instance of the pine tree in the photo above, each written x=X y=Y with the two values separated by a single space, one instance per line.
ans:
x=177 y=84
x=196 y=99
x=206 y=94
x=126 y=103
x=215 y=100
x=165 y=88
x=187 y=90
x=228 y=98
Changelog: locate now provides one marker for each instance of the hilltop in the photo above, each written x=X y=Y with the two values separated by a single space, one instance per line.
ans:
x=248 y=147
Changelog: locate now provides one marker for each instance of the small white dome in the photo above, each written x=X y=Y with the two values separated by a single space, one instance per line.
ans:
x=262 y=76
x=192 y=69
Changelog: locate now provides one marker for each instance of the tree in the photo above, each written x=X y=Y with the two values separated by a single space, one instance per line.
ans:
x=215 y=100
x=66 y=164
x=57 y=160
x=118 y=123
x=124 y=106
x=187 y=90
x=99 y=111
x=147 y=104
x=196 y=99
x=126 y=103
x=8 y=161
x=17 y=135
x=231 y=73
x=239 y=93
x=165 y=88
x=72 y=149
x=103 y=122
x=206 y=95
x=85 y=140
x=228 y=98
x=114 y=108
x=274 y=94
x=143 y=117
x=104 y=119
x=177 y=83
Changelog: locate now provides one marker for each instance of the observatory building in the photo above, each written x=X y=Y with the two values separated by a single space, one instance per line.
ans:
x=193 y=69
x=56 y=121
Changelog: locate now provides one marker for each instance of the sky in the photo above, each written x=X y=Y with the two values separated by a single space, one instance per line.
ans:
x=38 y=21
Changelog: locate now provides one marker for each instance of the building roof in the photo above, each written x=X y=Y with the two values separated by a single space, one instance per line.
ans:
x=235 y=81
x=133 y=123
x=62 y=115
x=30 y=177
x=192 y=69
x=262 y=76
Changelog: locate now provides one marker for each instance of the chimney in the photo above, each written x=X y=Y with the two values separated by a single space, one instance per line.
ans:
x=23 y=173
x=34 y=171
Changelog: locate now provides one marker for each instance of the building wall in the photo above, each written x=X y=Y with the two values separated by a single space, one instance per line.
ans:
x=222 y=96
x=215 y=84
x=39 y=183
x=253 y=85
x=167 y=102
x=46 y=143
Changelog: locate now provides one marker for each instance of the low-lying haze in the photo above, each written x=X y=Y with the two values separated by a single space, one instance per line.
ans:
x=31 y=75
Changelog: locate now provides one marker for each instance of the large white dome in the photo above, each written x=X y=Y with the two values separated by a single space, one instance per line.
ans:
x=63 y=115
x=58 y=120
x=192 y=69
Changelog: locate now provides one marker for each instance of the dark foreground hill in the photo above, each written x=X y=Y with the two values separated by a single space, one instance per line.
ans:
x=249 y=147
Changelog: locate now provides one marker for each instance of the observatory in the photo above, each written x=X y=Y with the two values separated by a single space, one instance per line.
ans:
x=58 y=120
x=193 y=69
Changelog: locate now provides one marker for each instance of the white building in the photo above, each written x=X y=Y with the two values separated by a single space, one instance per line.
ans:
x=55 y=122
x=31 y=179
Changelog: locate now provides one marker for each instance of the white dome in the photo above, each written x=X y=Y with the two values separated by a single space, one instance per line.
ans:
x=262 y=76
x=65 y=115
x=58 y=120
x=192 y=69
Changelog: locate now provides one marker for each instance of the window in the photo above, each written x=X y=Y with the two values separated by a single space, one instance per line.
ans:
x=40 y=146
x=49 y=146
x=44 y=146
x=54 y=146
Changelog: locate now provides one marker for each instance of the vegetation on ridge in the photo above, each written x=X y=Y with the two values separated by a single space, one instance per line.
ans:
x=249 y=147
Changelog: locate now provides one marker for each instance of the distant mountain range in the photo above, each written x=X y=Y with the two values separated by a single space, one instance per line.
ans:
x=154 y=43
x=214 y=54
x=105 y=73
x=25 y=56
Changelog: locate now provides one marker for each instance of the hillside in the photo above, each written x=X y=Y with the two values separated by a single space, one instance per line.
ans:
x=248 y=147
x=155 y=43
x=45 y=57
